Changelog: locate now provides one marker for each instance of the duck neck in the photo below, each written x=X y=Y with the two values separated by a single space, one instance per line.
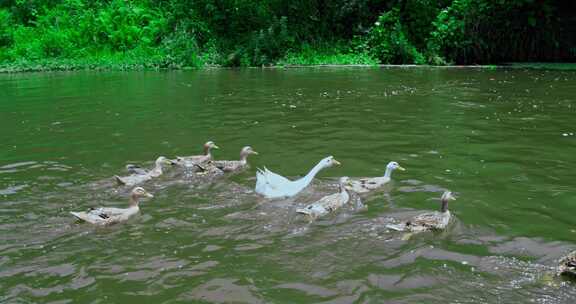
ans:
x=444 y=207
x=243 y=158
x=134 y=201
x=157 y=169
x=342 y=188
x=310 y=176
x=207 y=151
x=388 y=172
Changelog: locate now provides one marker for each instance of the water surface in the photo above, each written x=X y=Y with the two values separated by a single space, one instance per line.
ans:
x=503 y=140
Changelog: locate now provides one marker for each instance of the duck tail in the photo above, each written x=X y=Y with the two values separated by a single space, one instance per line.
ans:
x=119 y=180
x=302 y=211
x=396 y=227
x=79 y=215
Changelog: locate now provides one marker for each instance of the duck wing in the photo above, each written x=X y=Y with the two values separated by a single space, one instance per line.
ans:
x=132 y=180
x=135 y=169
x=323 y=206
x=363 y=185
x=274 y=178
x=227 y=165
x=198 y=159
x=105 y=215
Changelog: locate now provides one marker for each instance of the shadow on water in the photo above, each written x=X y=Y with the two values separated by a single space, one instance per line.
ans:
x=502 y=140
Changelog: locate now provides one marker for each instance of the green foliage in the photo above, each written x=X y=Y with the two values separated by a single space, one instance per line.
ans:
x=178 y=33
x=387 y=41
x=471 y=31
x=182 y=50
x=326 y=55
x=124 y=25
x=5 y=25
x=264 y=46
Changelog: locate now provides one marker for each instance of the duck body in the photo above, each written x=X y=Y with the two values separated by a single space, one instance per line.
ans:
x=140 y=175
x=368 y=184
x=133 y=179
x=327 y=204
x=272 y=185
x=107 y=215
x=235 y=165
x=208 y=170
x=190 y=161
x=365 y=185
x=567 y=265
x=428 y=221
x=425 y=222
x=135 y=169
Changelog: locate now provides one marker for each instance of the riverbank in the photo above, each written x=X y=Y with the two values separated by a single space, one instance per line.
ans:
x=151 y=64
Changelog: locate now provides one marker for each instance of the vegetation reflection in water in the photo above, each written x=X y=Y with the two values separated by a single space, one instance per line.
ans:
x=502 y=140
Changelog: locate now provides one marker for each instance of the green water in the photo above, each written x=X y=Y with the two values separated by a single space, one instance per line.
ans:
x=503 y=140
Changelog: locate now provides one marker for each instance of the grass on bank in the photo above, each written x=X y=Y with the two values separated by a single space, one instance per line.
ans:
x=325 y=56
x=137 y=59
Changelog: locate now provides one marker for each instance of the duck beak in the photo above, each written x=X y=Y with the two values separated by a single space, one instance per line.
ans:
x=149 y=195
x=337 y=163
x=215 y=147
x=401 y=168
x=254 y=152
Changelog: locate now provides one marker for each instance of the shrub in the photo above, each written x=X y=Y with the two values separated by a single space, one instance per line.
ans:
x=264 y=46
x=482 y=32
x=387 y=41
x=5 y=28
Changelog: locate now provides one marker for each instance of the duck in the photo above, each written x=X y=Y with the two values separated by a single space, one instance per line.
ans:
x=235 y=165
x=329 y=203
x=272 y=185
x=428 y=221
x=106 y=215
x=142 y=175
x=368 y=184
x=189 y=161
x=567 y=265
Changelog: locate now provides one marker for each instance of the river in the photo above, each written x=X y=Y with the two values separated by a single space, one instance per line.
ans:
x=503 y=140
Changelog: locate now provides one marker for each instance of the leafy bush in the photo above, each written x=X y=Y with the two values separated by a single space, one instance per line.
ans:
x=264 y=46
x=5 y=26
x=328 y=54
x=482 y=32
x=125 y=24
x=175 y=33
x=387 y=41
x=182 y=50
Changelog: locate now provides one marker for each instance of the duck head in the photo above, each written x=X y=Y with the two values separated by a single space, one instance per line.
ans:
x=247 y=151
x=329 y=162
x=138 y=193
x=141 y=192
x=163 y=161
x=343 y=181
x=209 y=145
x=446 y=196
x=393 y=166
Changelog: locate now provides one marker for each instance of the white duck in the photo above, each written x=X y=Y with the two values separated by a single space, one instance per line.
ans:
x=327 y=204
x=368 y=184
x=272 y=185
x=107 y=215
x=430 y=220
